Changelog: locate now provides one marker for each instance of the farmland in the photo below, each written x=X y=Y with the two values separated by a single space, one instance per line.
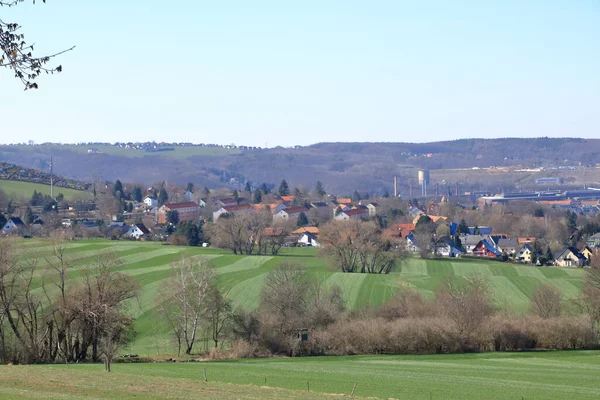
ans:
x=25 y=190
x=180 y=152
x=241 y=278
x=534 y=375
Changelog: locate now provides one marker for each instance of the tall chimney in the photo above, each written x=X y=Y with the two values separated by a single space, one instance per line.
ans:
x=395 y=186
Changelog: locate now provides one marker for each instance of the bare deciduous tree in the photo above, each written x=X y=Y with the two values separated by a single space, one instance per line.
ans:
x=466 y=303
x=545 y=302
x=185 y=297
x=591 y=288
x=356 y=246
x=218 y=314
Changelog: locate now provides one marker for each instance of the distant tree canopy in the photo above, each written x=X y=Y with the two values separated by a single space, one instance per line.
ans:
x=284 y=189
x=257 y=196
x=302 y=220
x=319 y=189
x=137 y=194
x=16 y=54
x=463 y=228
x=163 y=196
x=118 y=189
x=173 y=217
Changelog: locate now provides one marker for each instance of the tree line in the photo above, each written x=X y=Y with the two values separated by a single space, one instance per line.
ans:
x=298 y=316
x=47 y=316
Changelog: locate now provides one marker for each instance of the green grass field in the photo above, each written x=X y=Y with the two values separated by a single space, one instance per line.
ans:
x=530 y=376
x=25 y=190
x=179 y=152
x=241 y=278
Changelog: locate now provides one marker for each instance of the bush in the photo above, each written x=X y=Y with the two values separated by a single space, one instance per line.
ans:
x=407 y=303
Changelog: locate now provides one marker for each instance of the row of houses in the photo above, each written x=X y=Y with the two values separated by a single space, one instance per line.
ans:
x=286 y=210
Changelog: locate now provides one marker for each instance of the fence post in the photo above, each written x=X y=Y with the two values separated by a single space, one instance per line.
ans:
x=205 y=378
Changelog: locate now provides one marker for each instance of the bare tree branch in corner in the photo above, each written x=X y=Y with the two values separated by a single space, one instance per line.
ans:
x=17 y=54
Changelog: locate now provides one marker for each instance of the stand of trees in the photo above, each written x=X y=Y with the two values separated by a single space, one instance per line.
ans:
x=249 y=234
x=357 y=246
x=69 y=320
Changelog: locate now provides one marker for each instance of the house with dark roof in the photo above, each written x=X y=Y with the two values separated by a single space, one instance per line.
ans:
x=358 y=213
x=225 y=202
x=14 y=226
x=570 y=257
x=411 y=243
x=448 y=248
x=415 y=212
x=593 y=241
x=525 y=254
x=290 y=213
x=507 y=246
x=469 y=242
x=238 y=209
x=372 y=206
x=137 y=231
x=308 y=239
x=486 y=248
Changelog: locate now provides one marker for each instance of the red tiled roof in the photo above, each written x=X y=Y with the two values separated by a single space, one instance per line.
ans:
x=356 y=211
x=176 y=206
x=295 y=210
x=309 y=229
x=405 y=229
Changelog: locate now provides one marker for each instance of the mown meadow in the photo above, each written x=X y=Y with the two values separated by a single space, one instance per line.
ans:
x=520 y=376
x=241 y=278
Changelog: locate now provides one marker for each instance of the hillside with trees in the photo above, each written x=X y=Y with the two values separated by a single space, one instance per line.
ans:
x=363 y=166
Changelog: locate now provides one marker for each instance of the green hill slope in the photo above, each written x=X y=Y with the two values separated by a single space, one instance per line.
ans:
x=25 y=190
x=241 y=278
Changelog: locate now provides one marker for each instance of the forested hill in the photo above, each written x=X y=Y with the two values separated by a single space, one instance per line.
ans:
x=340 y=166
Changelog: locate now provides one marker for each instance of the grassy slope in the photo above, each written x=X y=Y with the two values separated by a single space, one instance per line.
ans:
x=544 y=375
x=241 y=278
x=25 y=189
x=179 y=152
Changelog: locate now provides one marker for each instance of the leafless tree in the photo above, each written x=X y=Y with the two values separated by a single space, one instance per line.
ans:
x=273 y=238
x=185 y=301
x=545 y=302
x=336 y=237
x=357 y=246
x=591 y=288
x=285 y=296
x=98 y=305
x=17 y=55
x=218 y=313
x=466 y=303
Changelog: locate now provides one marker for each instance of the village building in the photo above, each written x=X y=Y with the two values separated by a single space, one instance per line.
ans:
x=14 y=226
x=238 y=209
x=150 y=201
x=570 y=257
x=486 y=248
x=525 y=254
x=188 y=211
x=359 y=213
x=137 y=231
x=290 y=213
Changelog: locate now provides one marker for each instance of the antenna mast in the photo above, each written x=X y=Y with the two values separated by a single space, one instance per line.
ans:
x=51 y=179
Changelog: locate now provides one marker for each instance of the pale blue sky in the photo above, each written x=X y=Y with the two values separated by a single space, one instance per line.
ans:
x=299 y=72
